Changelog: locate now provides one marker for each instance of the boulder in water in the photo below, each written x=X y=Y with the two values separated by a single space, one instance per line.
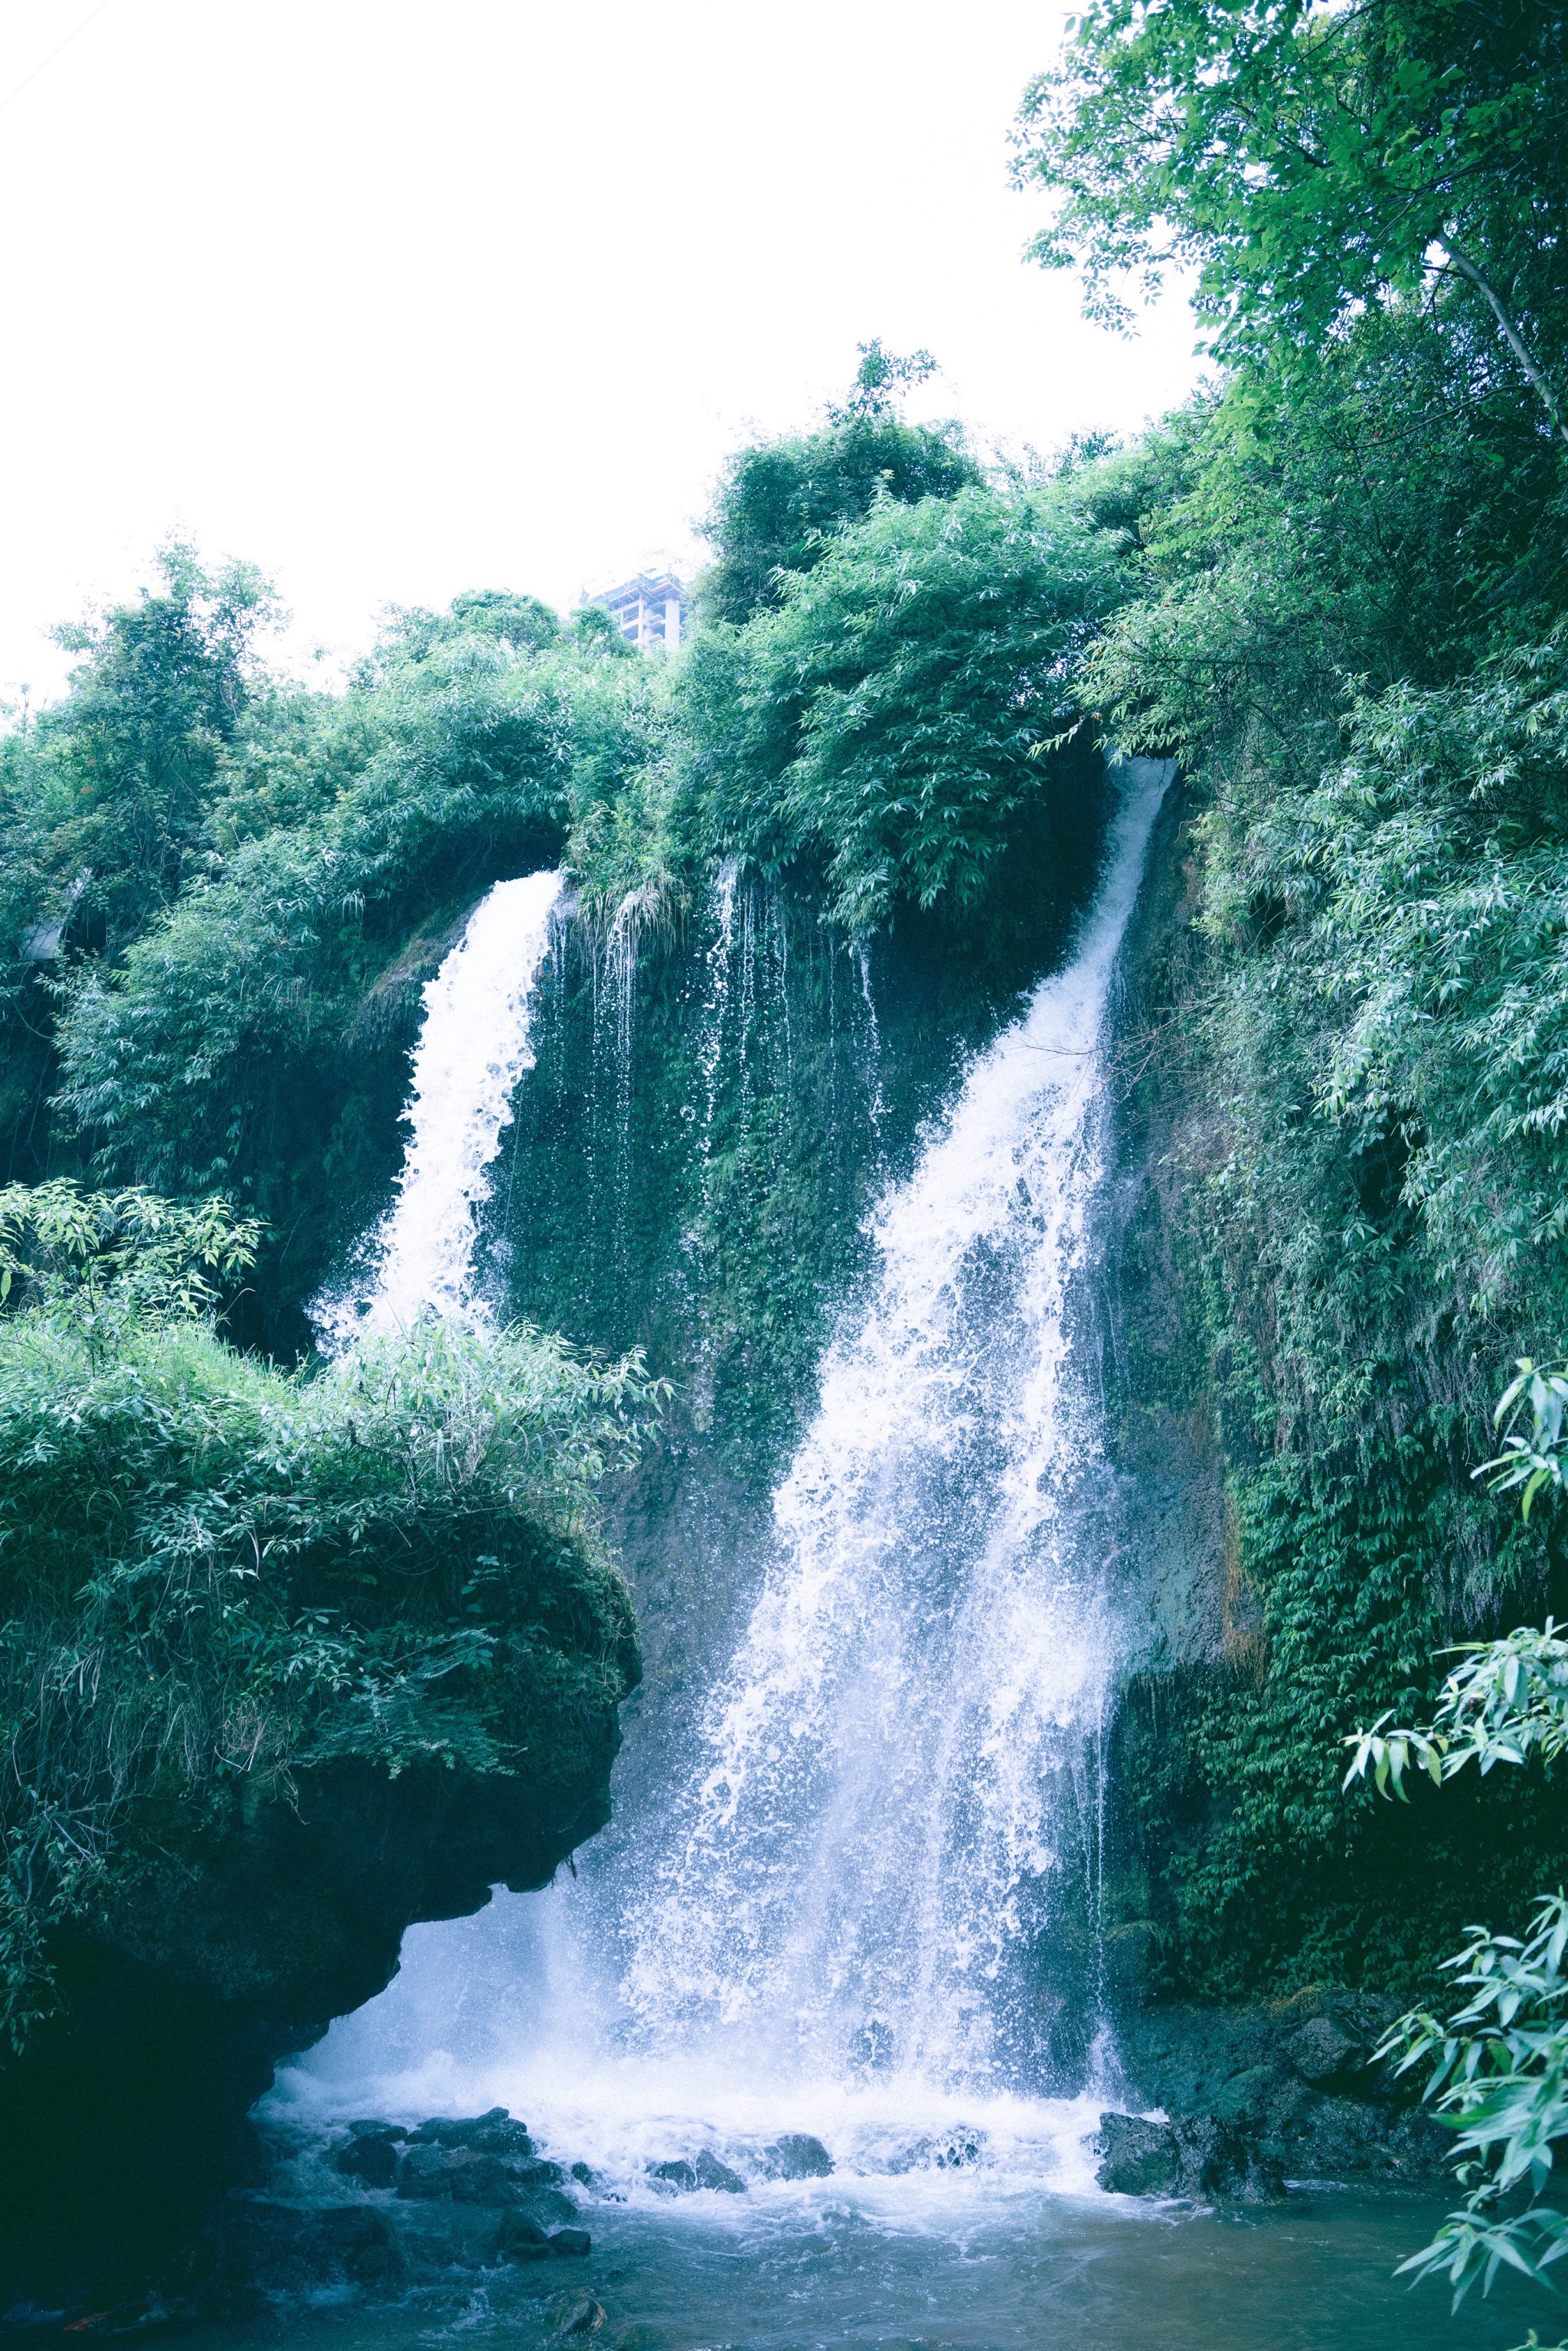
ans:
x=1218 y=2161
x=483 y=2180
x=576 y=2315
x=547 y=2204
x=704 y=2171
x=492 y=2134
x=288 y=2250
x=1138 y=2157
x=373 y=2161
x=427 y=2171
x=361 y=2240
x=522 y=2240
x=955 y=2150
x=797 y=2156
x=711 y=2173
x=574 y=2243
x=430 y=2173
x=1197 y=2155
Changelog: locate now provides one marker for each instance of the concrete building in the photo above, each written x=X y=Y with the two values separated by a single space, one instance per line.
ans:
x=651 y=610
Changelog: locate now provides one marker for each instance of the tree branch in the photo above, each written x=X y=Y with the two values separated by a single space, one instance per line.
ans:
x=1538 y=384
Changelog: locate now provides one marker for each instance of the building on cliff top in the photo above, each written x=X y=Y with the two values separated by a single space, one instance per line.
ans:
x=650 y=610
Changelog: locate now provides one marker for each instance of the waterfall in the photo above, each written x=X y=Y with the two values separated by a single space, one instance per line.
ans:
x=894 y=1763
x=475 y=1045
x=843 y=1923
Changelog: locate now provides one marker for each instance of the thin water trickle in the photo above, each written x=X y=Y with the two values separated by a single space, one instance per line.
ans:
x=620 y=1000
x=857 y=1917
x=715 y=1011
x=874 y=1039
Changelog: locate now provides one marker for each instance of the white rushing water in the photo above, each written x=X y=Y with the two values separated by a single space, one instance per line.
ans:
x=473 y=1047
x=872 y=1907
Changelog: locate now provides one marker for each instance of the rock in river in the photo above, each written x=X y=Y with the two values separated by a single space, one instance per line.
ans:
x=797 y=2156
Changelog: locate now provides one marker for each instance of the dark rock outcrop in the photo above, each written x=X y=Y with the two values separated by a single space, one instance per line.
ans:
x=128 y=2120
x=797 y=2156
x=1292 y=2084
x=1196 y=2156
x=1138 y=2157
x=373 y=2161
x=452 y=2205
x=705 y=2170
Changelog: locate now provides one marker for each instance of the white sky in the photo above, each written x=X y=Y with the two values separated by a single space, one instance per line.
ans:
x=400 y=298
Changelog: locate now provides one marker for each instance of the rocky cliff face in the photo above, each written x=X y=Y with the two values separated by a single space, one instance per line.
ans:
x=128 y=2118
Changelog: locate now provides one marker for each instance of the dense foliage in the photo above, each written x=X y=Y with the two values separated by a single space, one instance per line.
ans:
x=1497 y=2065
x=889 y=722
x=219 y=1578
x=780 y=502
x=1311 y=162
x=1347 y=612
x=248 y=1032
x=224 y=893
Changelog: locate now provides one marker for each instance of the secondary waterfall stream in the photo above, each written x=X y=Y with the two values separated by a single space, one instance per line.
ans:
x=841 y=1924
x=473 y=1048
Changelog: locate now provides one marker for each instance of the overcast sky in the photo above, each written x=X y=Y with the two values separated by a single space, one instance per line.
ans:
x=404 y=296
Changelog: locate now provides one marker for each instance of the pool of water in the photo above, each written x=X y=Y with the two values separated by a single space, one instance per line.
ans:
x=808 y=2264
x=952 y=2218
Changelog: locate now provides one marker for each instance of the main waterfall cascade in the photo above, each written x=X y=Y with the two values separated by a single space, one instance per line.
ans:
x=850 y=1920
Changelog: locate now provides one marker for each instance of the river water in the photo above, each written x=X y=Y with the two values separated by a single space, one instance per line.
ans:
x=785 y=2272
x=859 y=1903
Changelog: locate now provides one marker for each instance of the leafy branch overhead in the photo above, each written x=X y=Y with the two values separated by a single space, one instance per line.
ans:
x=1307 y=163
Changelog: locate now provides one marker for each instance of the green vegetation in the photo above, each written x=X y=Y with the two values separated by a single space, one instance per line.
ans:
x=221 y=1579
x=247 y=1033
x=1348 y=593
x=1500 y=2071
x=782 y=502
x=1312 y=164
x=891 y=720
x=224 y=893
x=1335 y=584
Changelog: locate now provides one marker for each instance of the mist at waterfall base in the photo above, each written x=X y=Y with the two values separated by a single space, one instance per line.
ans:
x=865 y=1908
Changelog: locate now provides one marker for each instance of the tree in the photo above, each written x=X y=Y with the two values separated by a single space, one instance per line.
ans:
x=1311 y=162
x=781 y=501
x=135 y=751
x=892 y=718
x=879 y=378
